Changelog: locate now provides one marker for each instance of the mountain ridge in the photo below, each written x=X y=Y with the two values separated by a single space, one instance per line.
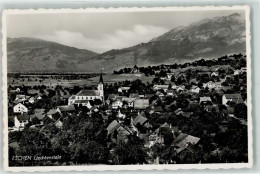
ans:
x=207 y=38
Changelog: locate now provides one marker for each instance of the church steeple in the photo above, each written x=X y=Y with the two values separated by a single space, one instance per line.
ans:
x=101 y=77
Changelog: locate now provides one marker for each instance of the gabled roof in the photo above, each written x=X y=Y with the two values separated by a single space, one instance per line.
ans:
x=20 y=104
x=66 y=108
x=204 y=99
x=113 y=126
x=39 y=114
x=88 y=93
x=52 y=111
x=22 y=117
x=140 y=119
x=141 y=103
x=183 y=140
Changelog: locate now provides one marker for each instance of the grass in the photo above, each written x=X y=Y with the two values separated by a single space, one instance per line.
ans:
x=108 y=79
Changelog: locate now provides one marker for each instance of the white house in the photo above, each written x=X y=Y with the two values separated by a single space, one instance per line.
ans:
x=163 y=87
x=31 y=100
x=215 y=73
x=117 y=104
x=169 y=92
x=195 y=89
x=20 y=108
x=237 y=98
x=123 y=89
x=21 y=120
x=180 y=88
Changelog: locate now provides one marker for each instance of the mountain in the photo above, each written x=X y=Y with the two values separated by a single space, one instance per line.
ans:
x=36 y=55
x=208 y=38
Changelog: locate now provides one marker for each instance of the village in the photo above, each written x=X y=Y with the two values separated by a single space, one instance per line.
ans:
x=189 y=113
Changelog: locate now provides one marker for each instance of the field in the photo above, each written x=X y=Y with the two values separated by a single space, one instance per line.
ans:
x=108 y=79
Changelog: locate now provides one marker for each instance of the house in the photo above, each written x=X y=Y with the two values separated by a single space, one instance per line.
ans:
x=205 y=100
x=169 y=75
x=240 y=71
x=141 y=103
x=156 y=109
x=158 y=87
x=169 y=92
x=52 y=112
x=160 y=94
x=195 y=89
x=112 y=96
x=39 y=98
x=31 y=100
x=174 y=86
x=134 y=95
x=85 y=95
x=215 y=73
x=21 y=120
x=66 y=109
x=141 y=120
x=20 y=108
x=117 y=104
x=21 y=98
x=58 y=123
x=210 y=85
x=129 y=101
x=211 y=108
x=114 y=125
x=39 y=114
x=183 y=141
x=237 y=98
x=148 y=96
x=180 y=88
x=123 y=89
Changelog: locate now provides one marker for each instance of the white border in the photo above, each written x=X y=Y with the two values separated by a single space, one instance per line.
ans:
x=127 y=167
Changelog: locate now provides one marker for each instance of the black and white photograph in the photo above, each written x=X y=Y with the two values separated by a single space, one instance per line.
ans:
x=150 y=88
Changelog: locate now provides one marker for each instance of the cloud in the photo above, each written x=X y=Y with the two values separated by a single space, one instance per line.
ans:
x=119 y=39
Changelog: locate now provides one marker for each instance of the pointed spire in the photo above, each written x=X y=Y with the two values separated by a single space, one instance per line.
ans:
x=101 y=78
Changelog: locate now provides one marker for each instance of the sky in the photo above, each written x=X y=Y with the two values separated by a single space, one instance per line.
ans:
x=100 y=32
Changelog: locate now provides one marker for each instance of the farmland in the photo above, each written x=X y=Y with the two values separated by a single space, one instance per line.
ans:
x=52 y=82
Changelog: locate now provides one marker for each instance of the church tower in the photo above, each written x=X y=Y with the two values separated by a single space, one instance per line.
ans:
x=101 y=86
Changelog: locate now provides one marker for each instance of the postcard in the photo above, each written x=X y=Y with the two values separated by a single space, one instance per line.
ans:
x=127 y=88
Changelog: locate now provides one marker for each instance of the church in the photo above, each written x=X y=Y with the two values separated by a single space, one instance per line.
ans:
x=83 y=96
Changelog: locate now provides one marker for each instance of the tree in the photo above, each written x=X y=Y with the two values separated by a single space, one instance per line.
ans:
x=240 y=111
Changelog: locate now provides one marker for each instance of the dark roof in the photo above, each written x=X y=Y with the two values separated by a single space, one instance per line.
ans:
x=233 y=96
x=183 y=139
x=66 y=108
x=157 y=108
x=113 y=126
x=39 y=114
x=237 y=98
x=23 y=117
x=141 y=103
x=85 y=92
